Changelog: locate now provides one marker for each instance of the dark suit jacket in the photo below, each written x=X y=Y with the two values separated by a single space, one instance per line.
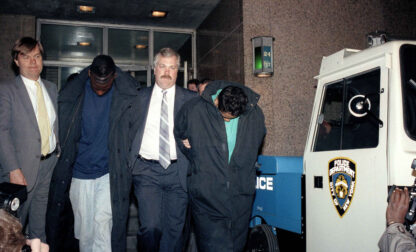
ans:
x=20 y=144
x=138 y=122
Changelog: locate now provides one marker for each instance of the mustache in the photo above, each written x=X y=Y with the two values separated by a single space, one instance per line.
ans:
x=166 y=76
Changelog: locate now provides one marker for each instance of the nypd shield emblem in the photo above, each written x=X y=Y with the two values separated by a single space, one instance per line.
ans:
x=342 y=177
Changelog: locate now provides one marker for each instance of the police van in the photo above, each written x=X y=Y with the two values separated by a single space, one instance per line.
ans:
x=361 y=141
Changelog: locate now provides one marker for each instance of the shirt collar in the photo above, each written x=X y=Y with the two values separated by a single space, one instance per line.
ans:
x=29 y=81
x=169 y=90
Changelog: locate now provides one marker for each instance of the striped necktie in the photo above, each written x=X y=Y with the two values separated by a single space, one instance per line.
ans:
x=43 y=120
x=164 y=149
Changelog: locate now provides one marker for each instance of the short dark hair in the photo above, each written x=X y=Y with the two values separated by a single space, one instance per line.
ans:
x=72 y=77
x=25 y=45
x=196 y=81
x=233 y=100
x=103 y=65
x=205 y=81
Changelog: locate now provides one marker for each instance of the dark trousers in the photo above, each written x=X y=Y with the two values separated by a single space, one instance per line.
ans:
x=227 y=233
x=189 y=233
x=61 y=237
x=162 y=204
x=33 y=211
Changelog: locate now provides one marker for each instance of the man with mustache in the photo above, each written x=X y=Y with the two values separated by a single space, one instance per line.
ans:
x=159 y=169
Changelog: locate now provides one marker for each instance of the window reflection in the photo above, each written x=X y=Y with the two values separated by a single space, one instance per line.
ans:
x=128 y=47
x=408 y=71
x=338 y=128
x=70 y=47
x=63 y=42
x=140 y=76
x=59 y=75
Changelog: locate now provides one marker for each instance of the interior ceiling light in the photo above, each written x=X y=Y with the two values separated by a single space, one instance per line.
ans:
x=140 y=46
x=84 y=43
x=86 y=9
x=159 y=14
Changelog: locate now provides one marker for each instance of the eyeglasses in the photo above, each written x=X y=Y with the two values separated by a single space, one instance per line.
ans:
x=171 y=67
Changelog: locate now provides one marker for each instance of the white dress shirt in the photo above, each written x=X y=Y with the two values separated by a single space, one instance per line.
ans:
x=31 y=90
x=149 y=148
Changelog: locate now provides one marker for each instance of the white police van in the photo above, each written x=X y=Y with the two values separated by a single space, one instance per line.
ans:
x=361 y=140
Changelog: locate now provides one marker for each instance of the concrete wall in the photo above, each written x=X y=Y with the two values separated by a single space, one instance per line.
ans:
x=13 y=27
x=399 y=18
x=220 y=43
x=304 y=31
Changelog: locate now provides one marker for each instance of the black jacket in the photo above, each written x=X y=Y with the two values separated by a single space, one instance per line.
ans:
x=221 y=191
x=70 y=103
x=213 y=180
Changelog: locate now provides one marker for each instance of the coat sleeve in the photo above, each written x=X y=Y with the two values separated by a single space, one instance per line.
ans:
x=8 y=159
x=260 y=124
x=181 y=129
x=396 y=239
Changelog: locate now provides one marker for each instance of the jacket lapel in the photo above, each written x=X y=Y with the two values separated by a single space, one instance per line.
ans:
x=140 y=111
x=53 y=94
x=138 y=116
x=25 y=99
x=179 y=98
x=51 y=88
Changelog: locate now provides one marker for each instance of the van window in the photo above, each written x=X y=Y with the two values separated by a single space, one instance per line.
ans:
x=408 y=72
x=343 y=122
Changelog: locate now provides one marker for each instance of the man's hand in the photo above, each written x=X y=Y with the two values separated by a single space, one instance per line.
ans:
x=186 y=143
x=16 y=177
x=37 y=246
x=398 y=206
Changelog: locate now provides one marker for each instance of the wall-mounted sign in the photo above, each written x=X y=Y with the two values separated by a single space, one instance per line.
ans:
x=262 y=56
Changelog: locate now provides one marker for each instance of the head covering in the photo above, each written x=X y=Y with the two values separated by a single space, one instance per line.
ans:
x=102 y=66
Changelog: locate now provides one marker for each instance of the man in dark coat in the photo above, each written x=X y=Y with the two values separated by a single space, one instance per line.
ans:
x=159 y=180
x=221 y=135
x=109 y=152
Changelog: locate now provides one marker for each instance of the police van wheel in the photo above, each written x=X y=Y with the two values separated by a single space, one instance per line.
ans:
x=262 y=239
